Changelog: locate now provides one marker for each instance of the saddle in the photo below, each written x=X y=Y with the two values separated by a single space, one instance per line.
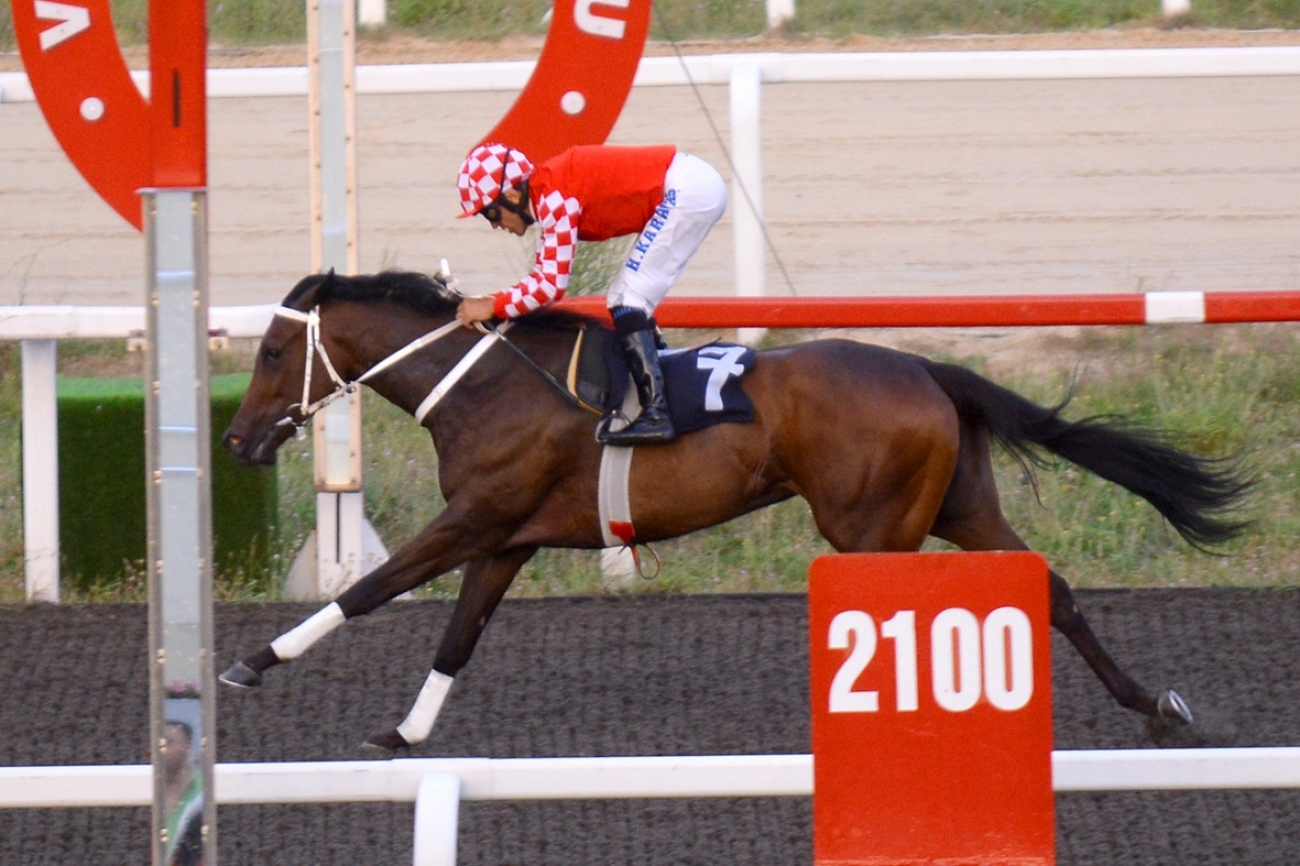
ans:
x=704 y=383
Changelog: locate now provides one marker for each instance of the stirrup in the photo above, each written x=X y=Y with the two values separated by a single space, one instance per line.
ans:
x=631 y=435
x=602 y=427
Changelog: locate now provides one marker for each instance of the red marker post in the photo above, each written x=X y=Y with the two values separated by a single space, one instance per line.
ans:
x=931 y=709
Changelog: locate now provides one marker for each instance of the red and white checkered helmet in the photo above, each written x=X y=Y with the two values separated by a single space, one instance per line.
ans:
x=488 y=171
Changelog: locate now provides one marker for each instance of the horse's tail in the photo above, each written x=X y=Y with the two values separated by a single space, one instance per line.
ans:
x=1197 y=495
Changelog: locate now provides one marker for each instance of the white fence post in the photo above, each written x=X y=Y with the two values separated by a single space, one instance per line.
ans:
x=437 y=819
x=41 y=470
x=372 y=13
x=781 y=12
x=618 y=565
x=1173 y=8
x=747 y=186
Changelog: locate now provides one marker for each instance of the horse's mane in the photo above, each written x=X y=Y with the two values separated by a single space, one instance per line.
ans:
x=422 y=293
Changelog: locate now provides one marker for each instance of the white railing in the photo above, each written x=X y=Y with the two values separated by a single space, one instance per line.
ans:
x=38 y=328
x=713 y=69
x=437 y=785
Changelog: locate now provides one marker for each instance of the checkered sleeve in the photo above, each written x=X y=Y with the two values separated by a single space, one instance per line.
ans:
x=557 y=216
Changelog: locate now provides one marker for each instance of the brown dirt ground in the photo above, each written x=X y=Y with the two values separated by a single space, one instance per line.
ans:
x=623 y=676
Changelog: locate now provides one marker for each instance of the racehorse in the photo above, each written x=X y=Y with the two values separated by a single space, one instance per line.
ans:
x=886 y=448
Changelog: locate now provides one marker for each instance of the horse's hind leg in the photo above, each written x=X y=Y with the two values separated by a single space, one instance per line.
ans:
x=972 y=519
x=481 y=590
x=1069 y=621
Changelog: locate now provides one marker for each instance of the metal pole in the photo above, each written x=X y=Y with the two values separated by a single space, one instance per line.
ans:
x=178 y=446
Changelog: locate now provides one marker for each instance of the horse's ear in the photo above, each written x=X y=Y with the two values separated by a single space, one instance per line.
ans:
x=448 y=286
x=327 y=283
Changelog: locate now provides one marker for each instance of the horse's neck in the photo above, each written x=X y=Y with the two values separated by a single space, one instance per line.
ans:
x=415 y=360
x=472 y=372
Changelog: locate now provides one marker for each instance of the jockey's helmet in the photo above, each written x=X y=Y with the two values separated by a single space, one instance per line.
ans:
x=488 y=171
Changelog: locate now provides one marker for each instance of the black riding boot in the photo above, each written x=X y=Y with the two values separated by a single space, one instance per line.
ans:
x=653 y=425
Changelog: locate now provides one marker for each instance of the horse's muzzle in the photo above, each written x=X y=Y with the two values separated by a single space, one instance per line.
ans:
x=259 y=453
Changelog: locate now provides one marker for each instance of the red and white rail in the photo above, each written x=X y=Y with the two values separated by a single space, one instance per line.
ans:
x=970 y=311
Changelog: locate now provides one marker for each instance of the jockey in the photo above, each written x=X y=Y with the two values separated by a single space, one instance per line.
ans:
x=593 y=193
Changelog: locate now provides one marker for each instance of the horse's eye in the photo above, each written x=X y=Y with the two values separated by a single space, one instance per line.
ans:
x=271 y=353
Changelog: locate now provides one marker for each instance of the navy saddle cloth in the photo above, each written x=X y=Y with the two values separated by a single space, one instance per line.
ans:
x=704 y=383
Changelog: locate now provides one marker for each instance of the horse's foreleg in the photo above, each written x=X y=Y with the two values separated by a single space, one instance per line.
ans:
x=439 y=548
x=361 y=598
x=484 y=585
x=247 y=673
x=1069 y=621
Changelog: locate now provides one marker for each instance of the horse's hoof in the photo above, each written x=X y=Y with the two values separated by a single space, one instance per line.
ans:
x=241 y=676
x=1171 y=706
x=385 y=745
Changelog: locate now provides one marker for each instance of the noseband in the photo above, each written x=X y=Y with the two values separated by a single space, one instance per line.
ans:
x=316 y=346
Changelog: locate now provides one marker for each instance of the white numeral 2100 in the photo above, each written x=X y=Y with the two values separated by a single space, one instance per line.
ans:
x=969 y=660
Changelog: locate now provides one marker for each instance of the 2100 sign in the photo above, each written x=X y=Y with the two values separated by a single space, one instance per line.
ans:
x=969 y=660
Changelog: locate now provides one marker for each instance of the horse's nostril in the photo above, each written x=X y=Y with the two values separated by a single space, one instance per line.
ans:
x=234 y=442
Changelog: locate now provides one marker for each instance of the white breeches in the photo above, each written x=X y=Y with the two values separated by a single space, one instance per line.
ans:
x=695 y=196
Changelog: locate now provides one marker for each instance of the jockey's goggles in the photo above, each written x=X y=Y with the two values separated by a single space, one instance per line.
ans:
x=492 y=212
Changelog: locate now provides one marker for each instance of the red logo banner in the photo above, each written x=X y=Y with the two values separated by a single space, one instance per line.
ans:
x=96 y=112
x=581 y=80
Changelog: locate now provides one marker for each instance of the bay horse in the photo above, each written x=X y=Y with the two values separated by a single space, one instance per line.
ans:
x=886 y=447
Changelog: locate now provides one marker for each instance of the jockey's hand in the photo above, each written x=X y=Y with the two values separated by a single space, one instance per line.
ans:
x=476 y=309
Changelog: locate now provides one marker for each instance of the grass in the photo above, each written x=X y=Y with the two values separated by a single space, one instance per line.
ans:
x=1218 y=397
x=1220 y=390
x=267 y=22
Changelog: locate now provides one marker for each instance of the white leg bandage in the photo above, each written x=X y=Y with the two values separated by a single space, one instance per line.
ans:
x=295 y=642
x=417 y=725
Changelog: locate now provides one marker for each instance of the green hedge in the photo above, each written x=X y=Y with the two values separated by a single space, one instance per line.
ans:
x=102 y=510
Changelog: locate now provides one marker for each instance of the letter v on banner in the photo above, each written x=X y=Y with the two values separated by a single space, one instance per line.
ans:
x=119 y=142
x=581 y=80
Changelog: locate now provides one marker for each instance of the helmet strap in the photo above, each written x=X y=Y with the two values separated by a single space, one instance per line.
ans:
x=520 y=207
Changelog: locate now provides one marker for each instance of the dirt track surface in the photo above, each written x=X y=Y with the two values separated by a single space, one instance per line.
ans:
x=624 y=676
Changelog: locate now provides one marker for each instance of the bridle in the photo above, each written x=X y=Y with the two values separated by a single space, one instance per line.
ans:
x=342 y=387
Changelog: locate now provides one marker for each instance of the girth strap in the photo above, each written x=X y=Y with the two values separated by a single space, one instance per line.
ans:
x=462 y=367
x=311 y=318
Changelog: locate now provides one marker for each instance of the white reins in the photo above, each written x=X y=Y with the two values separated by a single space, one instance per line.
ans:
x=315 y=345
